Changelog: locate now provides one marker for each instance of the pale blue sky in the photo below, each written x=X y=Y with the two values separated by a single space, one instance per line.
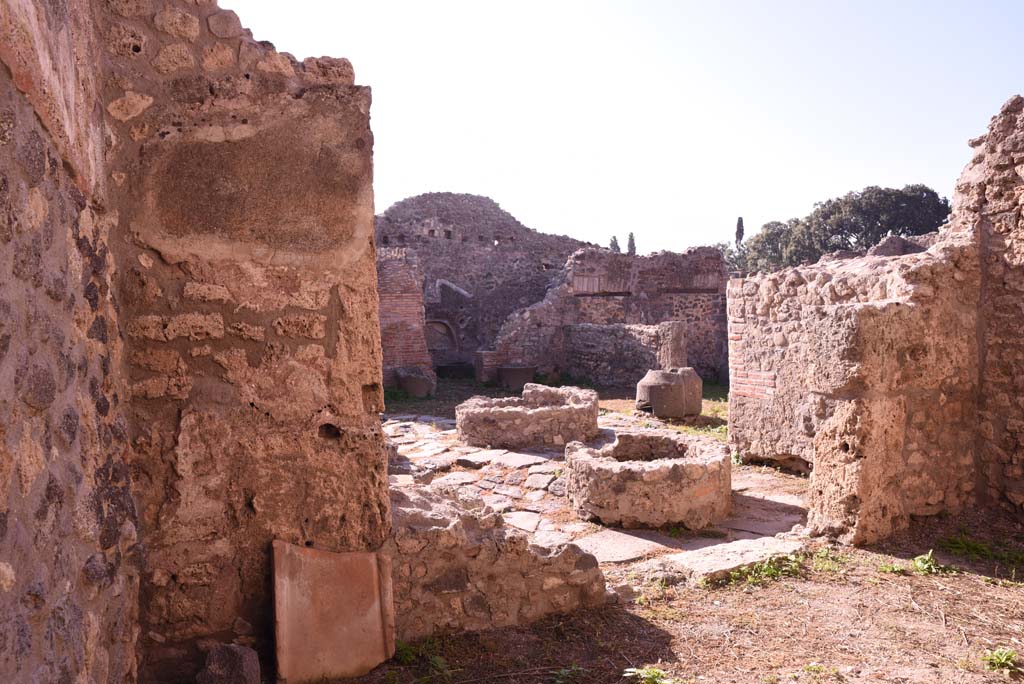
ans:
x=668 y=119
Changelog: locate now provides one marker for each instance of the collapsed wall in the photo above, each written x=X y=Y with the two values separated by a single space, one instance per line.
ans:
x=603 y=288
x=69 y=551
x=192 y=313
x=480 y=265
x=402 y=326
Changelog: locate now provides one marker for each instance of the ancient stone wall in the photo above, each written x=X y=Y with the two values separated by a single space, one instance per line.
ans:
x=69 y=555
x=249 y=308
x=543 y=416
x=216 y=214
x=402 y=326
x=603 y=288
x=989 y=204
x=480 y=266
x=895 y=377
x=617 y=355
x=864 y=369
x=457 y=567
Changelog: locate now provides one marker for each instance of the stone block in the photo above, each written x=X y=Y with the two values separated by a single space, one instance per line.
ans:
x=333 y=613
x=673 y=393
x=416 y=382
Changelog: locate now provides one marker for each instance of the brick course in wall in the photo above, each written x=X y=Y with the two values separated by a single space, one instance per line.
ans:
x=402 y=325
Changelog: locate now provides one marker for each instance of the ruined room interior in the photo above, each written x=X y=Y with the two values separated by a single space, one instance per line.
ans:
x=216 y=464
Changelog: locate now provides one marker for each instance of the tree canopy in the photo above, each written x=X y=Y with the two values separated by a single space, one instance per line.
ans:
x=614 y=245
x=855 y=221
x=631 y=245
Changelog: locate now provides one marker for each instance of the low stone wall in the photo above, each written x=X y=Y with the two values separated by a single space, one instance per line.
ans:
x=458 y=568
x=650 y=479
x=619 y=355
x=542 y=416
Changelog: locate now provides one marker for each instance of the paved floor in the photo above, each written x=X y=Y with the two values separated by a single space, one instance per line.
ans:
x=528 y=489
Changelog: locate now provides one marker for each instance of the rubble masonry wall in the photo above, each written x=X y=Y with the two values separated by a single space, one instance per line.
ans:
x=864 y=369
x=69 y=551
x=480 y=265
x=601 y=287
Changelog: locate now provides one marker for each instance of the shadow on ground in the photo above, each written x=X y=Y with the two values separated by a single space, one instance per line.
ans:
x=588 y=647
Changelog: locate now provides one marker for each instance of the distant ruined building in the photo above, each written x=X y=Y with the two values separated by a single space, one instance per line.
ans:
x=483 y=271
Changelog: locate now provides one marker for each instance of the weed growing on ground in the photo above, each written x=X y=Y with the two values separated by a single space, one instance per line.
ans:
x=927 y=565
x=647 y=675
x=425 y=656
x=965 y=546
x=892 y=568
x=1002 y=660
x=820 y=673
x=405 y=654
x=568 y=675
x=828 y=560
x=766 y=571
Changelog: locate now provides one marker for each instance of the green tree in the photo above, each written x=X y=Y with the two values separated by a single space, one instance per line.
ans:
x=631 y=245
x=739 y=231
x=614 y=245
x=855 y=221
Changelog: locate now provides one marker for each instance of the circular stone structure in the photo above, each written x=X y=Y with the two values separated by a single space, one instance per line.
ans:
x=543 y=416
x=651 y=478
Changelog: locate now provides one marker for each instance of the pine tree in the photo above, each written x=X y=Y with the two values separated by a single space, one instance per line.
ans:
x=614 y=245
x=631 y=245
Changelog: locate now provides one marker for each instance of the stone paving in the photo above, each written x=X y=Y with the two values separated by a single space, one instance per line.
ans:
x=528 y=489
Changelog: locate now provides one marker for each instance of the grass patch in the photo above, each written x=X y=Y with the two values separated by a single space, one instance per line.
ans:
x=892 y=568
x=765 y=572
x=828 y=560
x=967 y=547
x=647 y=675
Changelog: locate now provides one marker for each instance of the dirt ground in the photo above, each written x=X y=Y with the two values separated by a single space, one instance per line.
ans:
x=832 y=614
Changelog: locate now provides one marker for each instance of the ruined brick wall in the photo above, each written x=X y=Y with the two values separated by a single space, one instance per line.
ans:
x=69 y=555
x=480 y=265
x=603 y=288
x=989 y=204
x=864 y=369
x=402 y=326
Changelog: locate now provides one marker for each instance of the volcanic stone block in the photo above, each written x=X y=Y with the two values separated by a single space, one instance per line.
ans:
x=416 y=382
x=673 y=393
x=333 y=612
